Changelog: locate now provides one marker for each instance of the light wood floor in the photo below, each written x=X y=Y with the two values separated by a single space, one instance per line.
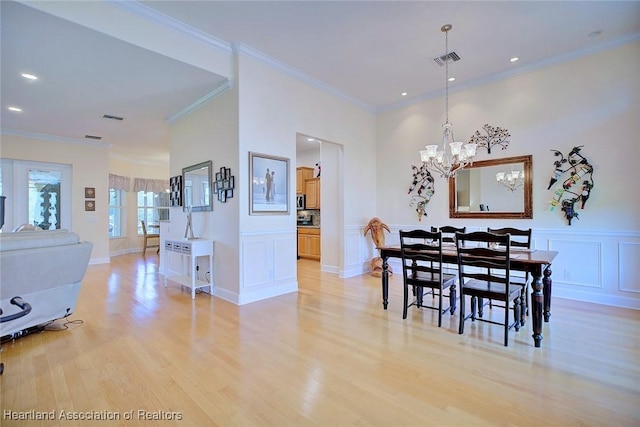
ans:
x=328 y=355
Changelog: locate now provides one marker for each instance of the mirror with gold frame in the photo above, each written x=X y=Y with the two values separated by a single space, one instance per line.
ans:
x=476 y=193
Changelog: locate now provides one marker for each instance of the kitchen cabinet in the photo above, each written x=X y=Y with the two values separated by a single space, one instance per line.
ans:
x=312 y=191
x=302 y=174
x=309 y=243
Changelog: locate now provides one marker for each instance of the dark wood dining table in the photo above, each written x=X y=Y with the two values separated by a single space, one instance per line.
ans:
x=536 y=262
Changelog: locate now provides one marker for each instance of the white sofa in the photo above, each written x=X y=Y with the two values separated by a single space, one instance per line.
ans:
x=46 y=269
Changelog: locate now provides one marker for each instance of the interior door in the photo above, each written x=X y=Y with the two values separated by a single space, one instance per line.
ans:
x=41 y=195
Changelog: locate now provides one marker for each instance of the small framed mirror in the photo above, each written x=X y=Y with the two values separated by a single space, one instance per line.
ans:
x=196 y=187
x=497 y=188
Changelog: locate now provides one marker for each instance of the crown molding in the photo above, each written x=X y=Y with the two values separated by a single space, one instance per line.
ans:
x=243 y=49
x=152 y=15
x=53 y=138
x=222 y=88
x=145 y=12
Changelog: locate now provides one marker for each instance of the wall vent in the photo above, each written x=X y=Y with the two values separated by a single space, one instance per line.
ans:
x=109 y=116
x=93 y=137
x=452 y=56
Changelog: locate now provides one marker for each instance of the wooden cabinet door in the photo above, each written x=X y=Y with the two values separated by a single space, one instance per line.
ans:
x=299 y=181
x=309 y=243
x=303 y=245
x=314 y=245
x=302 y=174
x=313 y=193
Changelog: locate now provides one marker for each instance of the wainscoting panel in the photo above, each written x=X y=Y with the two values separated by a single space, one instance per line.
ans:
x=587 y=271
x=629 y=266
x=268 y=265
x=357 y=252
x=256 y=272
x=284 y=250
x=595 y=266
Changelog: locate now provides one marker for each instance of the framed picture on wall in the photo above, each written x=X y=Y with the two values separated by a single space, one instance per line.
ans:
x=269 y=184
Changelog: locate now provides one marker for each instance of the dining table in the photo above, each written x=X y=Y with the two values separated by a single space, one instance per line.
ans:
x=534 y=261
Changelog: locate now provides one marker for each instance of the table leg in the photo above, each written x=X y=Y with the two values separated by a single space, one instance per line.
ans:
x=536 y=307
x=385 y=282
x=546 y=281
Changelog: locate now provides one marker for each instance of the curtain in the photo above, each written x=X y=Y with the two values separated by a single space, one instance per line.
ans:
x=118 y=182
x=154 y=185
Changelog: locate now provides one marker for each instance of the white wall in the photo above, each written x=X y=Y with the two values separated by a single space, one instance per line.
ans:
x=89 y=165
x=211 y=133
x=273 y=108
x=591 y=101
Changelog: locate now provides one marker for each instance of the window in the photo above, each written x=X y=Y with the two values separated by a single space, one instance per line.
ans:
x=116 y=212
x=44 y=198
x=152 y=207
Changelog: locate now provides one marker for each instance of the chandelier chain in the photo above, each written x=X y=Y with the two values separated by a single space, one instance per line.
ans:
x=446 y=72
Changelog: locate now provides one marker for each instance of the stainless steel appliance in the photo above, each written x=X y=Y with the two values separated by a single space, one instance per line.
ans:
x=300 y=201
x=305 y=219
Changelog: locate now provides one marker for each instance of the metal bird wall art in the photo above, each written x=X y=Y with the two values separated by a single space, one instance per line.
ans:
x=575 y=167
x=422 y=187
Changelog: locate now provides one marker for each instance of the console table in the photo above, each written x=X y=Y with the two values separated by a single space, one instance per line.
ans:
x=191 y=250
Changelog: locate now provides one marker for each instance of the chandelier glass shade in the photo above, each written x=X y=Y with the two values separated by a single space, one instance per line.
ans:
x=513 y=180
x=450 y=156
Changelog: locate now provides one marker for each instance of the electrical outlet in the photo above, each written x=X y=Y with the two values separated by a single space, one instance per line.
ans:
x=567 y=274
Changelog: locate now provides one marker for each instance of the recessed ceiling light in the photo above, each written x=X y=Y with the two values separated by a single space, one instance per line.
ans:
x=451 y=79
x=15 y=109
x=29 y=76
x=595 y=33
x=404 y=94
x=514 y=59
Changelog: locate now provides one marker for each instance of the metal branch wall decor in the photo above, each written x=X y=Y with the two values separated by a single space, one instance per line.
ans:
x=577 y=168
x=423 y=189
x=491 y=136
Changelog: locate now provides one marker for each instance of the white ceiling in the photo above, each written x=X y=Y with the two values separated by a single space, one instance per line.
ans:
x=366 y=51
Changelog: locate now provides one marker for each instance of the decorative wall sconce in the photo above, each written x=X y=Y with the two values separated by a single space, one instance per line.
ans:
x=493 y=135
x=577 y=168
x=512 y=181
x=422 y=186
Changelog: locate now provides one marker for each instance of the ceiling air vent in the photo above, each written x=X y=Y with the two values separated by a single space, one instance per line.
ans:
x=93 y=137
x=109 y=116
x=452 y=56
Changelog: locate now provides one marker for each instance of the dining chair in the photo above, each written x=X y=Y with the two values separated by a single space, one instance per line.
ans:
x=449 y=237
x=449 y=232
x=422 y=268
x=520 y=239
x=149 y=236
x=479 y=257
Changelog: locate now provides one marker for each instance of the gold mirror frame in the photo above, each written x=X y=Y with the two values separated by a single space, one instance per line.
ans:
x=527 y=212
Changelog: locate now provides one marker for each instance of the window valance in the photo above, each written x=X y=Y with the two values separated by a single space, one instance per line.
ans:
x=118 y=182
x=154 y=185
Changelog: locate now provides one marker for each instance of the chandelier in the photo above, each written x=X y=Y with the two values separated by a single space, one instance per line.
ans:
x=513 y=180
x=436 y=158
